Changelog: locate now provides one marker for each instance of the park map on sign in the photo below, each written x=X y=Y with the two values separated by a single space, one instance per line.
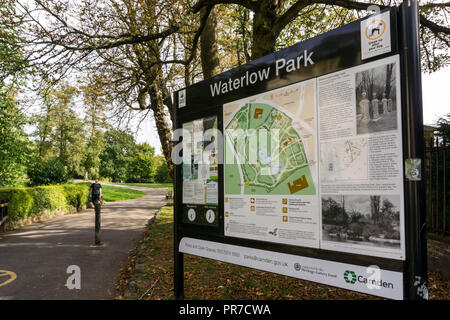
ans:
x=268 y=152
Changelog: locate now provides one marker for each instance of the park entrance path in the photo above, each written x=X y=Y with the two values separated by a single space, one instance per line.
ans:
x=39 y=255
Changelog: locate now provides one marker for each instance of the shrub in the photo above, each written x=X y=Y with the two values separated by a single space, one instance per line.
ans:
x=48 y=172
x=48 y=198
x=140 y=168
x=20 y=203
x=23 y=202
x=76 y=195
x=162 y=172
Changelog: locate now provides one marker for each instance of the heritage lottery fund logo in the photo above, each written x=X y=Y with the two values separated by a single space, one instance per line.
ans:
x=372 y=281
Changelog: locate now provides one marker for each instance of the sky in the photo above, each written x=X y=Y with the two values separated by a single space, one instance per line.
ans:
x=435 y=96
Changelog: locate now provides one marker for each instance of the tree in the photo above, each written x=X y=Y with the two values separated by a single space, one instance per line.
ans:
x=143 y=50
x=142 y=164
x=67 y=132
x=119 y=148
x=270 y=17
x=43 y=122
x=333 y=212
x=389 y=79
x=91 y=161
x=443 y=129
x=95 y=120
x=124 y=43
x=95 y=106
x=49 y=171
x=162 y=173
x=208 y=45
x=15 y=146
x=59 y=131
x=13 y=61
x=375 y=209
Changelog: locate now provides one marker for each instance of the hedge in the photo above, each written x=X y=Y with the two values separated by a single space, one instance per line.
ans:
x=23 y=202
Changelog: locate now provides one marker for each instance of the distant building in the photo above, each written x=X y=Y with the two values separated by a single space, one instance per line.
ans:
x=428 y=134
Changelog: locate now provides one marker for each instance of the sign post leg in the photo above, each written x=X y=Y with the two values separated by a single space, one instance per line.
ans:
x=179 y=276
x=416 y=279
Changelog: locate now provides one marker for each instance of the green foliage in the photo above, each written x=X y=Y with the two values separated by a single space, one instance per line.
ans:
x=47 y=172
x=162 y=173
x=12 y=61
x=15 y=146
x=23 y=202
x=91 y=157
x=141 y=165
x=14 y=143
x=45 y=198
x=59 y=130
x=119 y=147
x=443 y=130
x=20 y=203
x=76 y=195
x=317 y=20
x=68 y=132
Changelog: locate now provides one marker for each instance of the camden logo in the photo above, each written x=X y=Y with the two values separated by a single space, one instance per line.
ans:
x=350 y=276
x=372 y=281
x=297 y=266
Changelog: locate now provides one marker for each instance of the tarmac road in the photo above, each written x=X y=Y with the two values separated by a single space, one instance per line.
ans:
x=39 y=255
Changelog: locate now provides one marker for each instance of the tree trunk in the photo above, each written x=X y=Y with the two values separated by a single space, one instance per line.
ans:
x=389 y=68
x=163 y=128
x=208 y=46
x=375 y=208
x=264 y=34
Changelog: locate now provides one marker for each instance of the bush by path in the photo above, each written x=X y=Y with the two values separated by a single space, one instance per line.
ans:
x=24 y=202
x=27 y=205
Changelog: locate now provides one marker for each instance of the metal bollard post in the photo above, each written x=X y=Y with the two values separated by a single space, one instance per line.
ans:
x=3 y=215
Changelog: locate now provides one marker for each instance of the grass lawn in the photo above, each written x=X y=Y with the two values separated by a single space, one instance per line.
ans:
x=215 y=280
x=149 y=185
x=111 y=193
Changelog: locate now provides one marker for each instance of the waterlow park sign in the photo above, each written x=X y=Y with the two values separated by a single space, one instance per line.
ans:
x=307 y=162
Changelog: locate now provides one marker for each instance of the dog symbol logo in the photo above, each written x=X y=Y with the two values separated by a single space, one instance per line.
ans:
x=375 y=29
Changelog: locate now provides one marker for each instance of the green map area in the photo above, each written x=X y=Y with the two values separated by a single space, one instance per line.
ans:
x=252 y=135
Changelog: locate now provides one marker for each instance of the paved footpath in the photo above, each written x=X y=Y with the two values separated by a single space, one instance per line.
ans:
x=40 y=254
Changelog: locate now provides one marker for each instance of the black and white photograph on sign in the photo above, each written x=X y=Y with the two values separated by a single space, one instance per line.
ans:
x=369 y=220
x=376 y=101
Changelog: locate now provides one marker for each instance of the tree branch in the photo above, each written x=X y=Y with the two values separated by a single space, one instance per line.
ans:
x=363 y=6
x=205 y=3
x=435 y=5
x=433 y=26
x=291 y=14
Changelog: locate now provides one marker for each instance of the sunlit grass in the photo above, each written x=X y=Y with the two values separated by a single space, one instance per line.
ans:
x=112 y=193
x=149 y=185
